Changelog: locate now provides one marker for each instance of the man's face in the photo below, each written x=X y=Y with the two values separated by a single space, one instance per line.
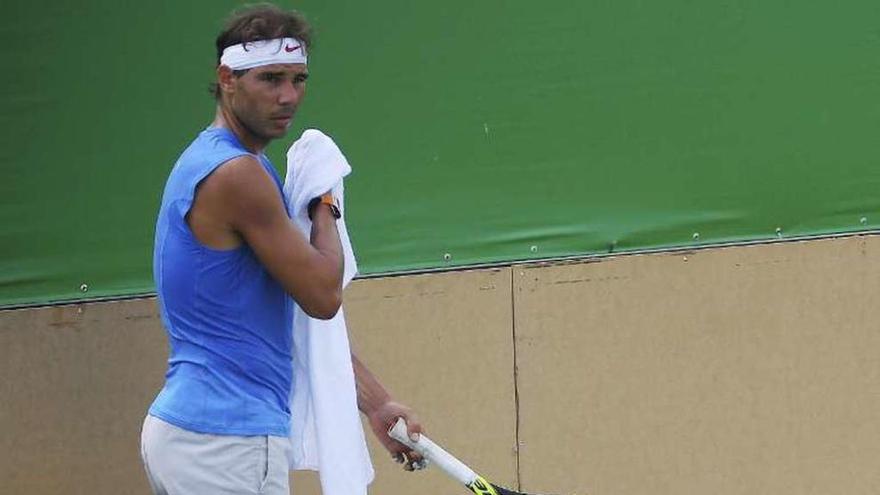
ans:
x=265 y=98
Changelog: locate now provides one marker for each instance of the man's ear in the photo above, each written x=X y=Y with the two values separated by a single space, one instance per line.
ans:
x=225 y=79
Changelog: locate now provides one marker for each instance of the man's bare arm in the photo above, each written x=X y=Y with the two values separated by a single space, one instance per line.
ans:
x=371 y=394
x=382 y=411
x=310 y=271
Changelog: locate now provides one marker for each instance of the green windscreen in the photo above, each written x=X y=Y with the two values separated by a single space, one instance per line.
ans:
x=479 y=132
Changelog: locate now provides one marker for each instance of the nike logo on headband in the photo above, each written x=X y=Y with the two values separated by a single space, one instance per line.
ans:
x=288 y=49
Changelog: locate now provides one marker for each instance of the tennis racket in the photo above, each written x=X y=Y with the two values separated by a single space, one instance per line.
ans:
x=456 y=469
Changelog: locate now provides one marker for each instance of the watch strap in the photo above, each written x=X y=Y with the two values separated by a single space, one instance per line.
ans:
x=328 y=200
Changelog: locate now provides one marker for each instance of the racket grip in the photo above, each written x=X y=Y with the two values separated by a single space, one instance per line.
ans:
x=434 y=453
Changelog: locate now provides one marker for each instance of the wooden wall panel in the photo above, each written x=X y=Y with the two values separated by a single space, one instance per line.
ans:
x=78 y=380
x=732 y=371
x=76 y=384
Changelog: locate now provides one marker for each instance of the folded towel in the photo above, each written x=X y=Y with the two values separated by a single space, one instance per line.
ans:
x=326 y=433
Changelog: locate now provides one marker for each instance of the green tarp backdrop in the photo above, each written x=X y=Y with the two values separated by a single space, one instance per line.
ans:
x=479 y=132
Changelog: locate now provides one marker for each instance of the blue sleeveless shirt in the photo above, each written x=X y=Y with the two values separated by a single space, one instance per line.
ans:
x=229 y=322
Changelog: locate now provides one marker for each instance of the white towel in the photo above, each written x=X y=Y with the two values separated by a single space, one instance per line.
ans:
x=326 y=433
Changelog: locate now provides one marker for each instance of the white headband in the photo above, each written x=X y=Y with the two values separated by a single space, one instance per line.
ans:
x=264 y=52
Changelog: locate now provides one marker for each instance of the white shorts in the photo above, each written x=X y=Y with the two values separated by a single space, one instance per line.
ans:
x=182 y=462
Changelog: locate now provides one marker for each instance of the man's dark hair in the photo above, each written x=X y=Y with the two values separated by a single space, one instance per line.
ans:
x=262 y=21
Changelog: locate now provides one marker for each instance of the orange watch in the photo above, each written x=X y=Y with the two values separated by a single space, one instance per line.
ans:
x=328 y=200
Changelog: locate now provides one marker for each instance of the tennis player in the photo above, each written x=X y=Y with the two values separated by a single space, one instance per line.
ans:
x=227 y=261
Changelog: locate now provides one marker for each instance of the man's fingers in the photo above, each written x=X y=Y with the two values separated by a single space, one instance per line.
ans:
x=413 y=426
x=411 y=460
x=416 y=465
x=409 y=464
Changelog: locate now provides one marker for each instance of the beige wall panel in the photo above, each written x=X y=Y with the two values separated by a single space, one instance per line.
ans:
x=735 y=371
x=78 y=380
x=76 y=384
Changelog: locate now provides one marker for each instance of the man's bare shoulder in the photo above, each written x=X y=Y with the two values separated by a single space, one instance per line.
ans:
x=245 y=192
x=232 y=174
x=239 y=178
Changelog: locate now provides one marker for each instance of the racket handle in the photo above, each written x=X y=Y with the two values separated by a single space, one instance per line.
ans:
x=434 y=453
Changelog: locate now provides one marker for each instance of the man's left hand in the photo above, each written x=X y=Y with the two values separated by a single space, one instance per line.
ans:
x=383 y=418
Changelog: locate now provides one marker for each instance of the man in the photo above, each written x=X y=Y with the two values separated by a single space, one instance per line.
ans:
x=227 y=261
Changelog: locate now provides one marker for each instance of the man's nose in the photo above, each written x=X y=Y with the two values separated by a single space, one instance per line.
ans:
x=290 y=94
